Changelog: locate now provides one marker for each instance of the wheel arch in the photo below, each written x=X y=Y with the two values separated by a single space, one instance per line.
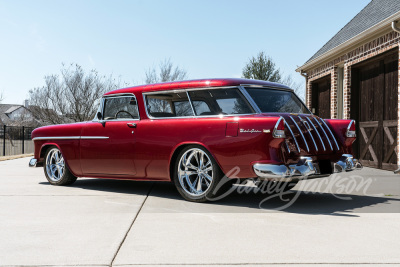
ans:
x=46 y=146
x=178 y=148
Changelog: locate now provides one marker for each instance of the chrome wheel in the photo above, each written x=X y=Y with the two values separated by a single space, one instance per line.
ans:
x=55 y=165
x=195 y=172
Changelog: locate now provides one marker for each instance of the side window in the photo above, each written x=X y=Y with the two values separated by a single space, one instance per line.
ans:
x=168 y=105
x=201 y=108
x=123 y=107
x=219 y=101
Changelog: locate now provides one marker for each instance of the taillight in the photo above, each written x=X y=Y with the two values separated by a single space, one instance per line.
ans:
x=279 y=129
x=351 y=129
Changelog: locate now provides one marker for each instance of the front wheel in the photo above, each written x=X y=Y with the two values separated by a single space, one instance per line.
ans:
x=197 y=175
x=55 y=169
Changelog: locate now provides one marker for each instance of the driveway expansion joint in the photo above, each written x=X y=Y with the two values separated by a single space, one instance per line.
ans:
x=130 y=227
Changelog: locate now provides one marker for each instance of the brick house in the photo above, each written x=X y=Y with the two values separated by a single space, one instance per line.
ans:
x=356 y=75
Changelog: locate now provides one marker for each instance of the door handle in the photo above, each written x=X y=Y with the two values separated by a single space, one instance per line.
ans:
x=131 y=125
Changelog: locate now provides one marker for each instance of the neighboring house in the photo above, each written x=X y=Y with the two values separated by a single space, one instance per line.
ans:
x=355 y=75
x=17 y=115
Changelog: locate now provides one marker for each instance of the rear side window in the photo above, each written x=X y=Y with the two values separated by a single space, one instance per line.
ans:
x=219 y=102
x=272 y=100
x=168 y=105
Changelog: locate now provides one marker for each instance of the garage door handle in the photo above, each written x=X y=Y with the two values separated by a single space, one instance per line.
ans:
x=131 y=125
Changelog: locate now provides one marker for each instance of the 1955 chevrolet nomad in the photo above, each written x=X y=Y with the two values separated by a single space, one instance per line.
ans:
x=193 y=133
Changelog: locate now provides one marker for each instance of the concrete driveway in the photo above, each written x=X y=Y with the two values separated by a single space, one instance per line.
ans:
x=342 y=220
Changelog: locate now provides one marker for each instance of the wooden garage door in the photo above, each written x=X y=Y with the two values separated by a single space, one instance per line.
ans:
x=375 y=85
x=321 y=97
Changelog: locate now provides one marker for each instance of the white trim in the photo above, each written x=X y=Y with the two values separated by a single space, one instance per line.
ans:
x=379 y=26
x=69 y=137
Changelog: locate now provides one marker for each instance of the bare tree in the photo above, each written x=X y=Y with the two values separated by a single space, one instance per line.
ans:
x=296 y=86
x=69 y=97
x=167 y=73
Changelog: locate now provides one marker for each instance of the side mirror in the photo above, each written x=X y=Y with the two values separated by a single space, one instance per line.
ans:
x=99 y=116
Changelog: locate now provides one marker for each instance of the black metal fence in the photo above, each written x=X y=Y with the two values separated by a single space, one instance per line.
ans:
x=15 y=140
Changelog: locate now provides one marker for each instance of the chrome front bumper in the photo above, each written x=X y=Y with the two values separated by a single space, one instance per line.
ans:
x=304 y=169
x=32 y=162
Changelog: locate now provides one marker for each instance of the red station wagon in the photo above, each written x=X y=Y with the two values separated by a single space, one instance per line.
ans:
x=194 y=133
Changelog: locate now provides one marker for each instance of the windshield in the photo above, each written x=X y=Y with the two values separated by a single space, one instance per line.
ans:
x=272 y=100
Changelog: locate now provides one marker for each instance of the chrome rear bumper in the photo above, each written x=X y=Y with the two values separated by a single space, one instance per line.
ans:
x=347 y=163
x=304 y=169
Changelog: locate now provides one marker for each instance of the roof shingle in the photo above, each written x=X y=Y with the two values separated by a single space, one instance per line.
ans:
x=375 y=12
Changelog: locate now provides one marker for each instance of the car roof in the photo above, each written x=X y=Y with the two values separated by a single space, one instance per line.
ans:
x=192 y=84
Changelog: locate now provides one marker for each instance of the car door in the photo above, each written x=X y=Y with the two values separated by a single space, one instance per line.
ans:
x=107 y=146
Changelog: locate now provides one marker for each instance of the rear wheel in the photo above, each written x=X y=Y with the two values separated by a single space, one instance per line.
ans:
x=197 y=175
x=55 y=169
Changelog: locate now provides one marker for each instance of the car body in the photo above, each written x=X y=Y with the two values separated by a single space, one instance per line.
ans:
x=141 y=133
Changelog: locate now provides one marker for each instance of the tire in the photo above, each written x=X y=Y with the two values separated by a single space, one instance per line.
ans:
x=197 y=176
x=55 y=168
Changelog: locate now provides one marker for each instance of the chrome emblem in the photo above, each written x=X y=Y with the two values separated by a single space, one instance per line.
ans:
x=250 y=131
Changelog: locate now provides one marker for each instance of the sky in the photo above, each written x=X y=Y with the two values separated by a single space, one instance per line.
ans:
x=209 y=39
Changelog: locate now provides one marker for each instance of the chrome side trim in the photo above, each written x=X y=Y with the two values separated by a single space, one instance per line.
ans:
x=56 y=137
x=69 y=137
x=327 y=138
x=334 y=139
x=294 y=138
x=309 y=132
x=95 y=137
x=301 y=133
x=322 y=142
